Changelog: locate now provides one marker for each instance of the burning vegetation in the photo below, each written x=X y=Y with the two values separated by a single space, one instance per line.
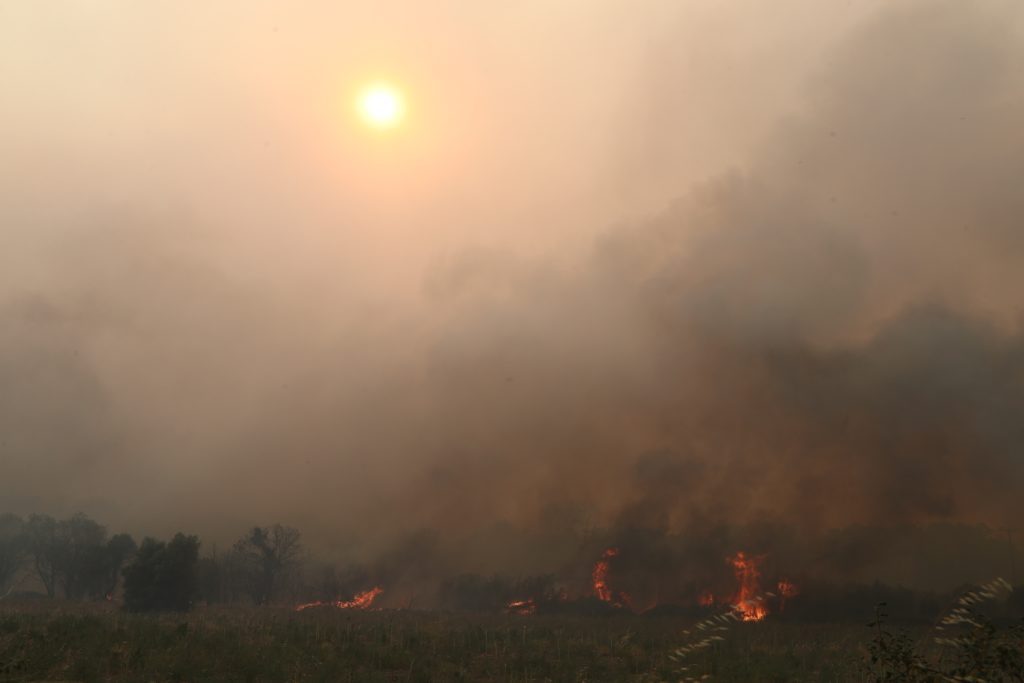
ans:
x=522 y=607
x=601 y=577
x=361 y=601
x=748 y=600
x=539 y=595
x=786 y=589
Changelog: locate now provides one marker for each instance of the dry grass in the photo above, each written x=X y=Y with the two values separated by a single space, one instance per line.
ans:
x=91 y=644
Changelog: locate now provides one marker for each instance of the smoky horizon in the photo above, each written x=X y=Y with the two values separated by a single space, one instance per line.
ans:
x=685 y=279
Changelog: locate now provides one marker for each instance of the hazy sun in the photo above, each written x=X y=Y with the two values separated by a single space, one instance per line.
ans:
x=381 y=106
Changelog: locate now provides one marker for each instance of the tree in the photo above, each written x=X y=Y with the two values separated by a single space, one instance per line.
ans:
x=75 y=555
x=120 y=548
x=44 y=545
x=12 y=550
x=163 y=576
x=81 y=557
x=211 y=580
x=267 y=556
x=92 y=567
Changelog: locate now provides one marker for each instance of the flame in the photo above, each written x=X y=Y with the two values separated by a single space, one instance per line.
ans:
x=786 y=589
x=748 y=600
x=361 y=601
x=522 y=607
x=602 y=586
x=706 y=599
x=600 y=575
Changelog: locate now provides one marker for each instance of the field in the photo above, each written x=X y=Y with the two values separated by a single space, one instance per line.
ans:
x=77 y=644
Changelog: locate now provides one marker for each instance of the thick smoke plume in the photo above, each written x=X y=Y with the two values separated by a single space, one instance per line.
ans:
x=823 y=343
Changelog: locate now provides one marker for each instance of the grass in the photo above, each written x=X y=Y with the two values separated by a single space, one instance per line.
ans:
x=79 y=644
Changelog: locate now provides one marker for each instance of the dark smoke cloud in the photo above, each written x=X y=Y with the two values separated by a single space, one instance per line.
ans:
x=829 y=336
x=825 y=338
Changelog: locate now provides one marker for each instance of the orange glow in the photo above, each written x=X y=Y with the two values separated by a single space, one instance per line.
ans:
x=601 y=581
x=748 y=600
x=600 y=575
x=361 y=601
x=786 y=589
x=522 y=607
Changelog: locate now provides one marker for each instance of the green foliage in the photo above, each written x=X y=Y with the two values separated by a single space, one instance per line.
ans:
x=976 y=650
x=163 y=576
x=892 y=656
x=970 y=646
x=988 y=654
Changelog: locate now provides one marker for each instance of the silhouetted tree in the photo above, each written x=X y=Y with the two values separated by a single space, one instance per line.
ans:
x=267 y=556
x=163 y=576
x=234 y=576
x=75 y=555
x=44 y=545
x=212 y=587
x=81 y=556
x=120 y=548
x=12 y=550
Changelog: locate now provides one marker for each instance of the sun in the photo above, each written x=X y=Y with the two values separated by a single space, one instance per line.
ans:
x=381 y=105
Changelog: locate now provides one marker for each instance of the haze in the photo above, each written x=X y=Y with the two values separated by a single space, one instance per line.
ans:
x=662 y=265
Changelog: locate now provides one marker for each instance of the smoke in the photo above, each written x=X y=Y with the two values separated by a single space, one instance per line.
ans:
x=825 y=337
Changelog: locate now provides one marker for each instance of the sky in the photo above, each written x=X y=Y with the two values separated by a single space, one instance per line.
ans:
x=659 y=264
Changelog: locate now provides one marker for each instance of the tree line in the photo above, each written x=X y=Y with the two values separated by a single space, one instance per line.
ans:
x=77 y=559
